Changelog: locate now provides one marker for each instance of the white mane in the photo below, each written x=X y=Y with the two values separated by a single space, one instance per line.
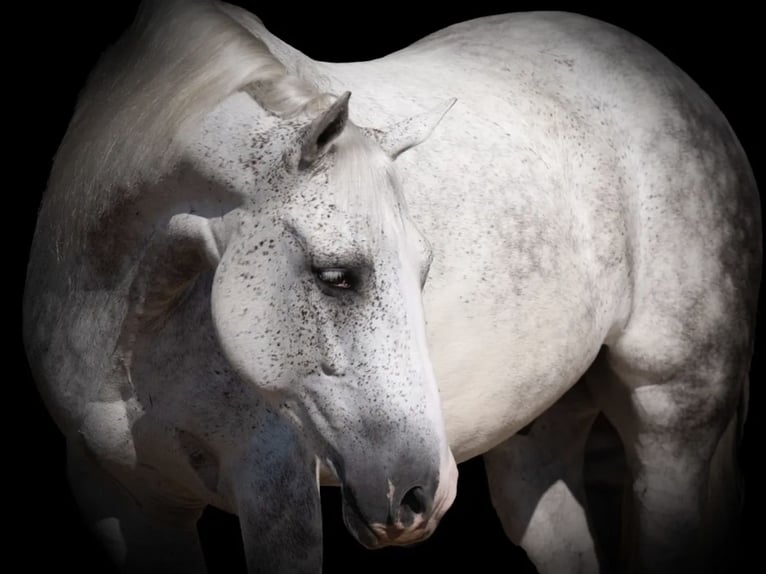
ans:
x=178 y=60
x=366 y=182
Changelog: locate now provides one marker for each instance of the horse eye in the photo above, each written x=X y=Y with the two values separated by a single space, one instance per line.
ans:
x=337 y=278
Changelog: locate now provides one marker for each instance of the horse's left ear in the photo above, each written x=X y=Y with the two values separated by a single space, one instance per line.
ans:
x=408 y=133
x=323 y=131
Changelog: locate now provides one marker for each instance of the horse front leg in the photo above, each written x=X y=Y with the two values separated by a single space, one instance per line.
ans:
x=536 y=485
x=275 y=491
x=144 y=529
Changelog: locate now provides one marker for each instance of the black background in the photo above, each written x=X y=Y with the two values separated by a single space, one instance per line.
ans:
x=56 y=46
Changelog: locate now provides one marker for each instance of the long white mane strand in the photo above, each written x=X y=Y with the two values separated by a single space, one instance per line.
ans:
x=178 y=60
x=366 y=183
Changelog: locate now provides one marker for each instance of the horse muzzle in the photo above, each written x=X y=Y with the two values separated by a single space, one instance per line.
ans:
x=405 y=515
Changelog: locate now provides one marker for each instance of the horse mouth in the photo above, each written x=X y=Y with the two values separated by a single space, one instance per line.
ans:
x=359 y=528
x=398 y=535
x=375 y=535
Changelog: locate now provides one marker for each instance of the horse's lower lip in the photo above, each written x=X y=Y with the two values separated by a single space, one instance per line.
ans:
x=388 y=536
x=358 y=527
x=373 y=536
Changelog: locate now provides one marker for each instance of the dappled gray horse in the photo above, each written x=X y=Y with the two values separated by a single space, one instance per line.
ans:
x=226 y=299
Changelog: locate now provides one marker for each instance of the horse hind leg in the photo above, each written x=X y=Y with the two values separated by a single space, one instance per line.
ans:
x=604 y=477
x=140 y=538
x=537 y=488
x=672 y=416
x=726 y=495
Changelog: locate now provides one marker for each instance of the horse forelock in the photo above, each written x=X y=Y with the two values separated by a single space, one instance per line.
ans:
x=365 y=180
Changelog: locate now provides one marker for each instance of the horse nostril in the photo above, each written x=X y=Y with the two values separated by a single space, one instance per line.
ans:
x=328 y=369
x=415 y=500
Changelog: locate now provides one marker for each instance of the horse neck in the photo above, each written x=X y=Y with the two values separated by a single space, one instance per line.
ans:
x=295 y=62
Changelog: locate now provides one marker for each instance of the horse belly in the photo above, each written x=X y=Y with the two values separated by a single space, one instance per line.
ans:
x=498 y=371
x=522 y=292
x=515 y=313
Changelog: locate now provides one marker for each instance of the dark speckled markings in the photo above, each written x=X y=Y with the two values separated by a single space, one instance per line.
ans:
x=235 y=293
x=329 y=249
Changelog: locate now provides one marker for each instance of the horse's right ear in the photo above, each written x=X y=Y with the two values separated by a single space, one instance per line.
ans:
x=321 y=133
x=412 y=131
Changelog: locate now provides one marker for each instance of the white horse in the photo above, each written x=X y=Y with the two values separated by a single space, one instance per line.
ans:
x=225 y=300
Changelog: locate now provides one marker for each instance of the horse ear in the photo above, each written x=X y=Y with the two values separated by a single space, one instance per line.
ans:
x=408 y=133
x=323 y=131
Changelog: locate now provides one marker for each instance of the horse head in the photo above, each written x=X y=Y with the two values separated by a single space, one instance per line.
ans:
x=316 y=302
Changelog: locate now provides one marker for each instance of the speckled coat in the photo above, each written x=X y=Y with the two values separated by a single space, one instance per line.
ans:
x=586 y=228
